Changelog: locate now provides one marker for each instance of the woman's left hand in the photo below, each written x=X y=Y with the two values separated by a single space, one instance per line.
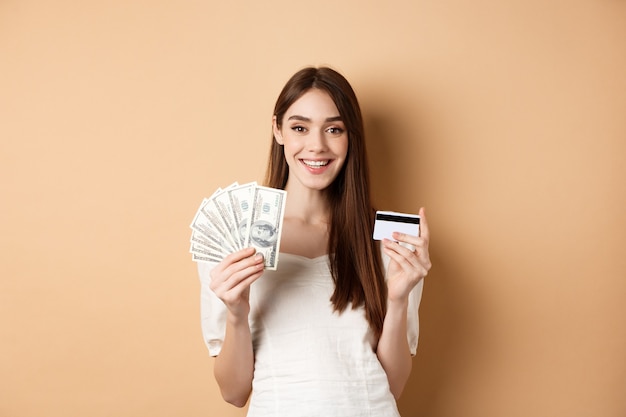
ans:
x=407 y=267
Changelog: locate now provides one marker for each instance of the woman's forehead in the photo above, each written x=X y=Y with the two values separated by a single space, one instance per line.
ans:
x=313 y=105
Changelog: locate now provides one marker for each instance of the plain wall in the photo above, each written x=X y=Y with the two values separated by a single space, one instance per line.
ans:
x=506 y=119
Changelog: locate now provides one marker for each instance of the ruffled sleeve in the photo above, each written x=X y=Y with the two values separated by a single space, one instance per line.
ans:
x=212 y=312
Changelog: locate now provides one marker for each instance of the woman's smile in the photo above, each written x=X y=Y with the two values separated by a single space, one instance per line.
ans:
x=316 y=166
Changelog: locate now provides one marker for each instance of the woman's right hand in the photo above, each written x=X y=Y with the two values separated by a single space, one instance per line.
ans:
x=231 y=280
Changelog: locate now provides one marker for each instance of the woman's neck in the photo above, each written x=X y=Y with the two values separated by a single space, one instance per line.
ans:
x=307 y=205
x=306 y=223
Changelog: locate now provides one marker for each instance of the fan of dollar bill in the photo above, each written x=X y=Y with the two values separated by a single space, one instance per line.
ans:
x=238 y=217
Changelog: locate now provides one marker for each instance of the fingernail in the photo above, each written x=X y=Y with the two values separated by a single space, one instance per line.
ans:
x=259 y=256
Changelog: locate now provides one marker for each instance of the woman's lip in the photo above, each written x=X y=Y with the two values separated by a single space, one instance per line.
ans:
x=311 y=163
x=314 y=168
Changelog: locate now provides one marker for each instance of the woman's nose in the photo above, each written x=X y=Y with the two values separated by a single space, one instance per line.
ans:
x=316 y=141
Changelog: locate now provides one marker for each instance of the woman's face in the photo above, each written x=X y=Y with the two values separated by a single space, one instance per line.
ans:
x=315 y=140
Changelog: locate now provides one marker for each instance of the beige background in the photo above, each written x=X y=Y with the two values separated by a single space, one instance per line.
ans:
x=504 y=118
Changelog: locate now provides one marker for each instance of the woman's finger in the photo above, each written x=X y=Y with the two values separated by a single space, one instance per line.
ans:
x=230 y=259
x=235 y=293
x=236 y=267
x=402 y=255
x=424 y=230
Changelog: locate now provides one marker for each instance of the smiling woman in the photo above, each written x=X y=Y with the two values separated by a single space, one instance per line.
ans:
x=332 y=330
x=314 y=138
x=505 y=118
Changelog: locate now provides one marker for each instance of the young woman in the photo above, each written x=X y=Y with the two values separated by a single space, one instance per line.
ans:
x=331 y=332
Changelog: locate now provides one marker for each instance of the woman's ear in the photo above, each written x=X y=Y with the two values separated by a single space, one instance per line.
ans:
x=277 y=134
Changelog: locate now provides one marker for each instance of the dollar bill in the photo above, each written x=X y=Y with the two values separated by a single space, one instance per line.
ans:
x=218 y=222
x=225 y=211
x=265 y=227
x=241 y=201
x=204 y=232
x=203 y=258
x=200 y=250
x=237 y=217
x=201 y=241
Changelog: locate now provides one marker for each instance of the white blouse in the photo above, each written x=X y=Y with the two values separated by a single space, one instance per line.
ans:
x=309 y=359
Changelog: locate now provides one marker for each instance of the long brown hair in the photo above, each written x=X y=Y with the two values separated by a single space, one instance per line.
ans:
x=355 y=260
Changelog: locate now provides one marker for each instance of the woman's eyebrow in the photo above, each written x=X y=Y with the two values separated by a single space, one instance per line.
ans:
x=301 y=118
x=307 y=119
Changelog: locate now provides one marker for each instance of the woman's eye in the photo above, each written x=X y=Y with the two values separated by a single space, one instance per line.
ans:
x=299 y=129
x=335 y=130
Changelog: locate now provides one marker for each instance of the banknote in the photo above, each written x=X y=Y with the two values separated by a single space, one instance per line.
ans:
x=204 y=232
x=199 y=240
x=237 y=217
x=225 y=213
x=265 y=227
x=241 y=200
x=203 y=258
x=198 y=249
x=217 y=222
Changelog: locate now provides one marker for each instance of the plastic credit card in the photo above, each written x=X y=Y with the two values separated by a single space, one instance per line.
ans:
x=388 y=222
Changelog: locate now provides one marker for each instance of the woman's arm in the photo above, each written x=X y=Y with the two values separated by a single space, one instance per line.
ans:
x=234 y=366
x=393 y=348
x=406 y=269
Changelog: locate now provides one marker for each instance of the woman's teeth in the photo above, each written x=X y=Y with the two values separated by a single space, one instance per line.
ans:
x=315 y=164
